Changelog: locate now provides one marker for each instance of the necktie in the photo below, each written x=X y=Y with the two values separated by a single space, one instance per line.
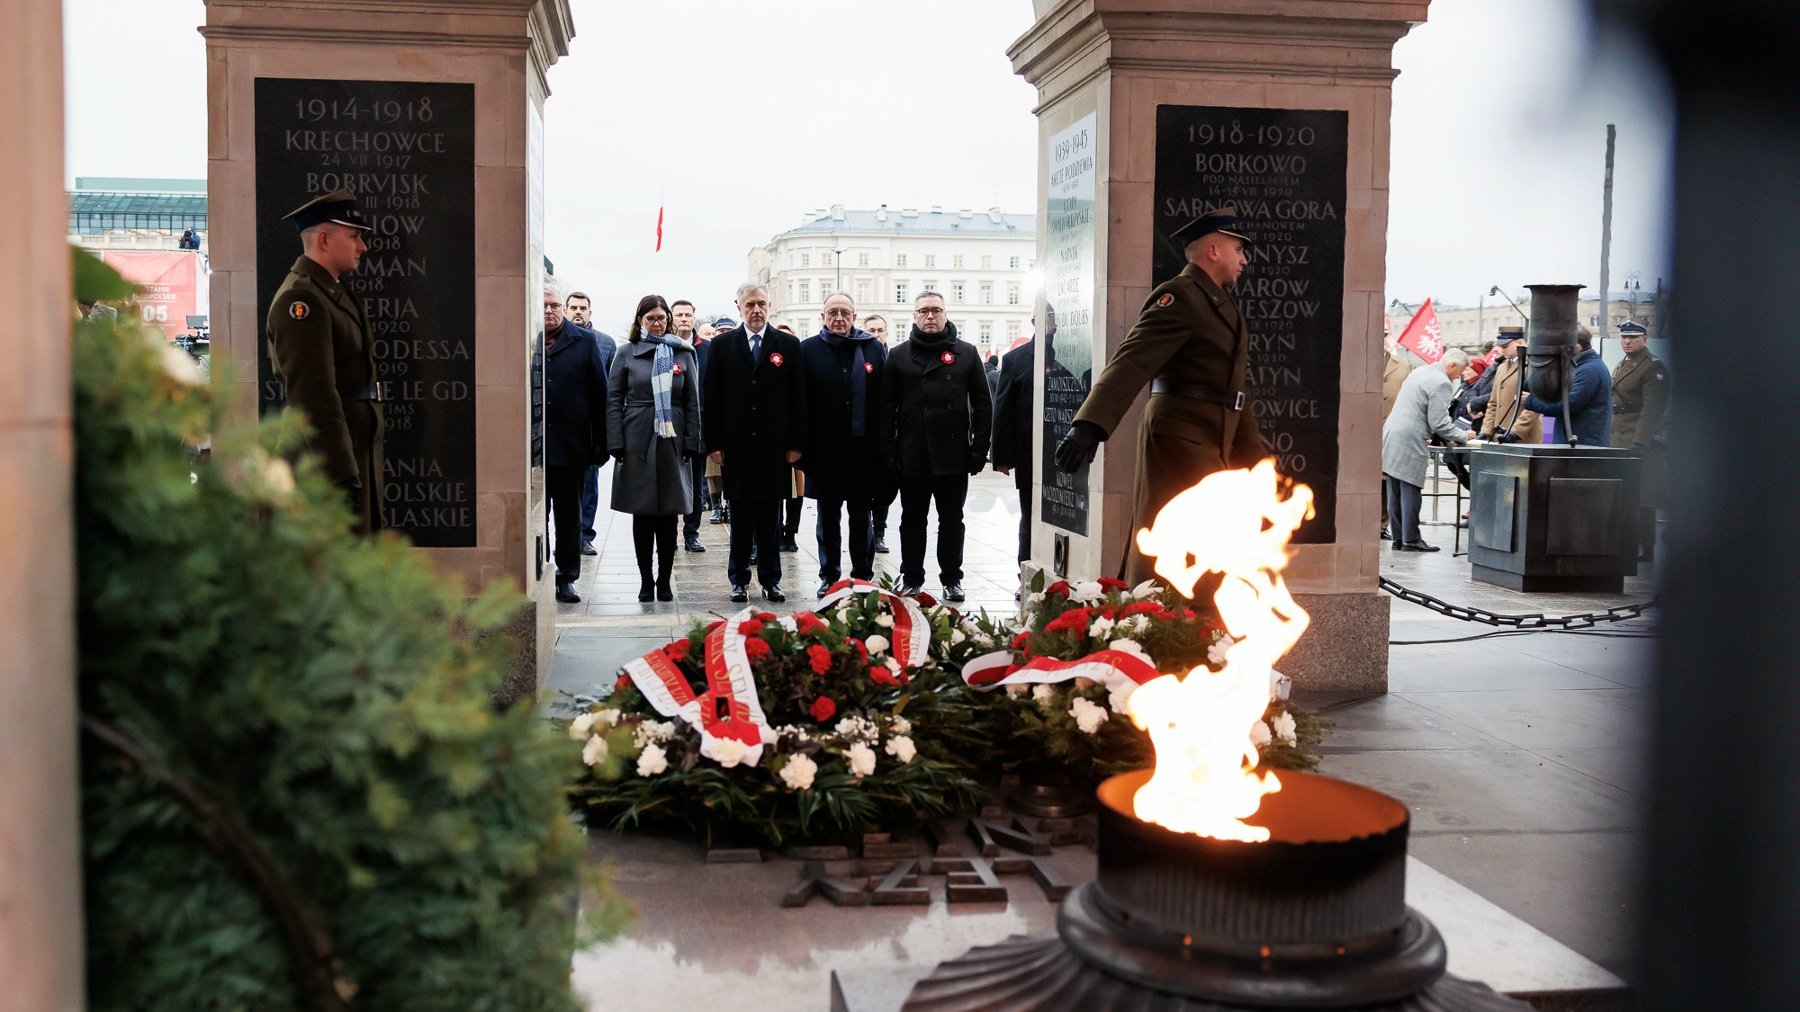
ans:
x=755 y=349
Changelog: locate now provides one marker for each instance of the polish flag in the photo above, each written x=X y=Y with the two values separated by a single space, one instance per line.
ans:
x=1421 y=335
x=659 y=219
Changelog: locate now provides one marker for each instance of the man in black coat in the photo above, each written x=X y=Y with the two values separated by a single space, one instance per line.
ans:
x=843 y=446
x=753 y=415
x=573 y=364
x=1014 y=420
x=934 y=393
x=681 y=313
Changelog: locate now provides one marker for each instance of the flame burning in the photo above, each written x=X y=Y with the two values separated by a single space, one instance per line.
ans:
x=1234 y=523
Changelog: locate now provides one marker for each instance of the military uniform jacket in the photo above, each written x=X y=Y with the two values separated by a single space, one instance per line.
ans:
x=1506 y=409
x=754 y=411
x=1393 y=373
x=1640 y=393
x=324 y=355
x=940 y=412
x=1190 y=333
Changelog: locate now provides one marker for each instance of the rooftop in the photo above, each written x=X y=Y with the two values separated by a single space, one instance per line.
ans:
x=912 y=221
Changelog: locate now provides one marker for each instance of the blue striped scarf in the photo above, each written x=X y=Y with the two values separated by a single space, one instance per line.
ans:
x=662 y=379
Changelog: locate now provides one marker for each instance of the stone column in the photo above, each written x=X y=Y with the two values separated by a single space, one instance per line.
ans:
x=1152 y=112
x=40 y=837
x=432 y=113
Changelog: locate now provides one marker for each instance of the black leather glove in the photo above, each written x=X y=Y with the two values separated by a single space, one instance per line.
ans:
x=1078 y=447
x=1508 y=437
x=619 y=458
x=977 y=465
x=690 y=455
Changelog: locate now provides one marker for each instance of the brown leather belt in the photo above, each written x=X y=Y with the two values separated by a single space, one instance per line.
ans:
x=359 y=393
x=1233 y=399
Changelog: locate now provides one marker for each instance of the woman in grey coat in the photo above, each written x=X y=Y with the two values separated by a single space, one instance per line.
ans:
x=653 y=433
x=1421 y=411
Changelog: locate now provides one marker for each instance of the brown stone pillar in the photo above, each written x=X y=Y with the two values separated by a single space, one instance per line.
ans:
x=1150 y=113
x=433 y=114
x=40 y=840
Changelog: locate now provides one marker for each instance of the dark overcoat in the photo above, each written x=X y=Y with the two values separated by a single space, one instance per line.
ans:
x=1191 y=334
x=1590 y=402
x=838 y=464
x=1015 y=420
x=653 y=476
x=939 y=414
x=754 y=412
x=1640 y=395
x=324 y=354
x=574 y=378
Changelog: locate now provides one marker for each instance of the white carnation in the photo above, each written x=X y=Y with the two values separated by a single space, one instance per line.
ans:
x=581 y=727
x=956 y=637
x=892 y=665
x=650 y=732
x=1016 y=689
x=1136 y=625
x=1144 y=590
x=857 y=729
x=594 y=751
x=1259 y=735
x=900 y=725
x=1101 y=628
x=1043 y=695
x=1118 y=697
x=797 y=773
x=278 y=477
x=1215 y=654
x=1087 y=716
x=728 y=752
x=885 y=621
x=607 y=718
x=876 y=643
x=1280 y=686
x=794 y=731
x=652 y=760
x=1130 y=646
x=1086 y=591
x=983 y=640
x=901 y=747
x=1284 y=729
x=862 y=760
x=1034 y=600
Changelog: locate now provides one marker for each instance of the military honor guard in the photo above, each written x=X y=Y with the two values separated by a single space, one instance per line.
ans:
x=1640 y=395
x=323 y=352
x=1191 y=345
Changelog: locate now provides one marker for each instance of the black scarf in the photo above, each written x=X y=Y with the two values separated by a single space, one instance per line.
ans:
x=859 y=375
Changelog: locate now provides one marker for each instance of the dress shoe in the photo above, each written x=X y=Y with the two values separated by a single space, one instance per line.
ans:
x=880 y=545
x=825 y=587
x=646 y=590
x=694 y=545
x=718 y=516
x=753 y=555
x=1419 y=546
x=1385 y=536
x=954 y=592
x=788 y=544
x=773 y=593
x=739 y=593
x=565 y=594
x=664 y=592
x=587 y=548
x=909 y=589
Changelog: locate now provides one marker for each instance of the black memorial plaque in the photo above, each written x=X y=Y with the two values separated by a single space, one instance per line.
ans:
x=407 y=150
x=1285 y=170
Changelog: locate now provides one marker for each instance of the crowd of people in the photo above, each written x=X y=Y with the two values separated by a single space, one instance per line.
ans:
x=1459 y=401
x=745 y=420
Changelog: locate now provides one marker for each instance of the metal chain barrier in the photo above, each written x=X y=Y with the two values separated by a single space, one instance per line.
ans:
x=1586 y=620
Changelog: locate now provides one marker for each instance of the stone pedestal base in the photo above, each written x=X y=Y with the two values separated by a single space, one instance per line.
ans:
x=1345 y=649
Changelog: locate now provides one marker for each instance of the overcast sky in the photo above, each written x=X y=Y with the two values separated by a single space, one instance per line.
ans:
x=738 y=117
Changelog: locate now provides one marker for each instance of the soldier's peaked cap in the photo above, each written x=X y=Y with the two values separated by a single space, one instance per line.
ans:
x=1509 y=335
x=1632 y=328
x=1223 y=221
x=338 y=206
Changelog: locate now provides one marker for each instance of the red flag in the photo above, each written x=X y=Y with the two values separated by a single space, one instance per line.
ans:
x=659 y=214
x=1421 y=335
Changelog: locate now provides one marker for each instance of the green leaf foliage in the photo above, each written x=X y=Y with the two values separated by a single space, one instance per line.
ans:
x=330 y=695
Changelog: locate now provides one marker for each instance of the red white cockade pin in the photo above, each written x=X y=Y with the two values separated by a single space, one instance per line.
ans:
x=775 y=359
x=949 y=358
x=677 y=370
x=869 y=367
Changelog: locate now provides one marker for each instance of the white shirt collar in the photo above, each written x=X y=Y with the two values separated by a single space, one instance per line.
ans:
x=755 y=335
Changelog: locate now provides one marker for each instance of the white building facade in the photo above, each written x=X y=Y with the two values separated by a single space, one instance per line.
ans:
x=984 y=263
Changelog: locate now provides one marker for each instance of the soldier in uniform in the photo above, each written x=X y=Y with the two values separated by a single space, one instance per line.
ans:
x=324 y=353
x=1640 y=393
x=1191 y=345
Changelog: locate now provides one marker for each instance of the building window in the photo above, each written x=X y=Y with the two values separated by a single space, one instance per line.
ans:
x=931 y=259
x=987 y=263
x=900 y=260
x=862 y=292
x=862 y=259
x=1012 y=262
x=987 y=293
x=931 y=286
x=806 y=259
x=1032 y=266
x=987 y=333
x=956 y=291
x=1012 y=293
x=900 y=292
x=956 y=261
x=805 y=292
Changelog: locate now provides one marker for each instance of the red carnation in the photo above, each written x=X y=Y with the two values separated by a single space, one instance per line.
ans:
x=1106 y=611
x=1150 y=608
x=823 y=709
x=677 y=651
x=750 y=627
x=862 y=650
x=756 y=650
x=764 y=616
x=623 y=683
x=1073 y=620
x=1059 y=587
x=1022 y=641
x=808 y=623
x=820 y=658
x=1113 y=583
x=880 y=675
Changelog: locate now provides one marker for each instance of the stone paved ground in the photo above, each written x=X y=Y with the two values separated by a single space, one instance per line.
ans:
x=1521 y=757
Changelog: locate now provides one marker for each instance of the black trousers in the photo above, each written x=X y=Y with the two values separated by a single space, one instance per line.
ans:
x=647 y=533
x=757 y=520
x=884 y=498
x=1403 y=502
x=949 y=492
x=562 y=486
x=831 y=543
x=690 y=527
x=792 y=528
x=1025 y=522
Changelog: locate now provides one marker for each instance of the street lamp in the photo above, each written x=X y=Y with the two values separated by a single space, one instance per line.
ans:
x=837 y=258
x=1495 y=290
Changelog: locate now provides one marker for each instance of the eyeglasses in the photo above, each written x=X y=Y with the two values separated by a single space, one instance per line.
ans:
x=655 y=318
x=840 y=312
x=929 y=311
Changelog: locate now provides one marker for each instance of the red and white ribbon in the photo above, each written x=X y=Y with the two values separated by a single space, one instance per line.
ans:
x=911 y=642
x=729 y=709
x=1111 y=668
